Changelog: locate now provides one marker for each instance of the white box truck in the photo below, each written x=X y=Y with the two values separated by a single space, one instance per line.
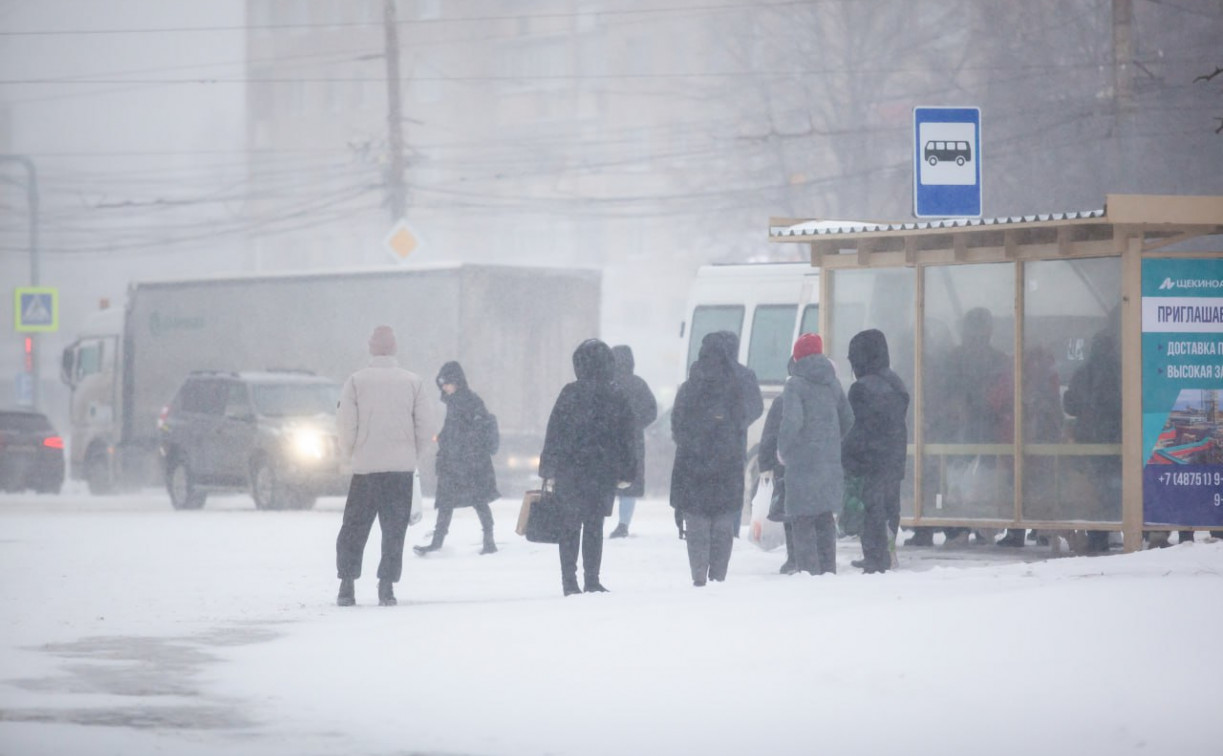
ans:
x=513 y=328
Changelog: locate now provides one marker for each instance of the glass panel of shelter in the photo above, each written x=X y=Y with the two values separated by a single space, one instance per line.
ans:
x=968 y=392
x=1071 y=392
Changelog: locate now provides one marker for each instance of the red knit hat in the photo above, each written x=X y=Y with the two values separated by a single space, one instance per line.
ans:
x=807 y=344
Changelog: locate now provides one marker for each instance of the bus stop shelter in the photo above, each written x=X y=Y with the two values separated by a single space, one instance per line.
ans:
x=1065 y=369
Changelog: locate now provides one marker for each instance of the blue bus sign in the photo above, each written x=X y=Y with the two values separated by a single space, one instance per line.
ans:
x=947 y=162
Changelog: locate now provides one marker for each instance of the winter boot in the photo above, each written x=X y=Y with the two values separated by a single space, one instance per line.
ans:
x=347 y=596
x=595 y=587
x=569 y=583
x=386 y=593
x=490 y=546
x=1013 y=537
x=621 y=531
x=788 y=567
x=921 y=537
x=433 y=545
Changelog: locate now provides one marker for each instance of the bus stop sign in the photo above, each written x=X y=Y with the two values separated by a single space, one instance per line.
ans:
x=947 y=162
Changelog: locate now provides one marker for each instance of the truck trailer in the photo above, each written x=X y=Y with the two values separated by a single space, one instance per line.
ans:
x=513 y=328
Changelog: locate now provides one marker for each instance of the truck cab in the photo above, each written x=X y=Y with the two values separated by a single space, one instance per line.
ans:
x=91 y=366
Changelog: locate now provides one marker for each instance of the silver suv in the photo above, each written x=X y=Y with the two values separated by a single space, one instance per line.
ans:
x=271 y=433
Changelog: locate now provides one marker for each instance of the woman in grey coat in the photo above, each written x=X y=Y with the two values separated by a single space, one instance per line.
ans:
x=815 y=416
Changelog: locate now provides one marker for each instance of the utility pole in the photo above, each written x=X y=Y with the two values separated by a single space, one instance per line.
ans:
x=396 y=191
x=1123 y=88
x=1123 y=54
x=31 y=188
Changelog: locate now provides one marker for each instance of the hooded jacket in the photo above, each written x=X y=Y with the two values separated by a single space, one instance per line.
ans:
x=384 y=421
x=588 y=446
x=645 y=411
x=709 y=428
x=876 y=444
x=815 y=417
x=749 y=385
x=465 y=475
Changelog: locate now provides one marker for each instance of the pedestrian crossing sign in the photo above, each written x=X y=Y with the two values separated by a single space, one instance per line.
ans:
x=36 y=309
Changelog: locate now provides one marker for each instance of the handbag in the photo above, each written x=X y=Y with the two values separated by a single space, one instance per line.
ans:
x=540 y=518
x=853 y=511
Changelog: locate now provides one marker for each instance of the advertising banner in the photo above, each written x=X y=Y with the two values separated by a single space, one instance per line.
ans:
x=1182 y=391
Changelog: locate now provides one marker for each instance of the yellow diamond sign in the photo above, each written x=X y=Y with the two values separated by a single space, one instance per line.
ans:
x=402 y=240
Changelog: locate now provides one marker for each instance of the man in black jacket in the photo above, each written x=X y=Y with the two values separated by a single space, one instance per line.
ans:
x=875 y=447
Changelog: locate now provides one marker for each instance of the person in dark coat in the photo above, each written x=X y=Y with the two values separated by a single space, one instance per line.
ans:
x=707 y=423
x=815 y=417
x=771 y=467
x=982 y=403
x=465 y=449
x=874 y=450
x=645 y=411
x=749 y=393
x=1093 y=398
x=588 y=455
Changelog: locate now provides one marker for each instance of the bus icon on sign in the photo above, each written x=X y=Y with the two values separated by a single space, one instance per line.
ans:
x=952 y=152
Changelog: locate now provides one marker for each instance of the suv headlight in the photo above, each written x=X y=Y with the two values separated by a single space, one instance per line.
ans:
x=307 y=444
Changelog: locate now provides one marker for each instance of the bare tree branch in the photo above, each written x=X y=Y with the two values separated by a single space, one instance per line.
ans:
x=1209 y=76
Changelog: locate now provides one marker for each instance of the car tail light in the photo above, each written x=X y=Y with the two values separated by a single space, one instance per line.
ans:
x=53 y=442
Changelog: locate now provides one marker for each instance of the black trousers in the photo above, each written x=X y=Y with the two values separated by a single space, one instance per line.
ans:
x=586 y=532
x=881 y=504
x=387 y=496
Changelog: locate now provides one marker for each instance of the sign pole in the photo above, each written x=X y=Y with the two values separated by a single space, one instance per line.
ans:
x=31 y=187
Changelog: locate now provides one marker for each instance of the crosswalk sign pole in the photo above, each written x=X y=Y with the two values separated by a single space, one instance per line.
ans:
x=35 y=310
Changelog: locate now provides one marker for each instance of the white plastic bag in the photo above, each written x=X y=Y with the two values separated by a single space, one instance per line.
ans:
x=765 y=533
x=418 y=502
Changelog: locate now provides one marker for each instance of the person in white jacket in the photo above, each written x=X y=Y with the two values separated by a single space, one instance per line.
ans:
x=384 y=425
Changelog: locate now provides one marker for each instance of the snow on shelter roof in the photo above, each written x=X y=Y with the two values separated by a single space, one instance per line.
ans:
x=837 y=227
x=1157 y=221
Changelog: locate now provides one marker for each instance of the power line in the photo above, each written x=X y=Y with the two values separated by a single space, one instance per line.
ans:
x=419 y=21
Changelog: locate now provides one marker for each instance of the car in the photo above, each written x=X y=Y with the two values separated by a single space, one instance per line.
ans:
x=271 y=433
x=31 y=452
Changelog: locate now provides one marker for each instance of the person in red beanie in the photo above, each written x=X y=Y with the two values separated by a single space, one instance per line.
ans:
x=815 y=417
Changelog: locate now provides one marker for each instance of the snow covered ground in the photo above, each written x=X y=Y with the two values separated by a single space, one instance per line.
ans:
x=129 y=628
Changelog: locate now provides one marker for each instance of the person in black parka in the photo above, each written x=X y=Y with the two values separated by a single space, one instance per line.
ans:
x=588 y=455
x=874 y=449
x=465 y=448
x=708 y=426
x=749 y=393
x=1093 y=398
x=645 y=411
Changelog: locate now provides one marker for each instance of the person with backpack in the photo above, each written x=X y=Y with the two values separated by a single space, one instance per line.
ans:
x=708 y=424
x=465 y=447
